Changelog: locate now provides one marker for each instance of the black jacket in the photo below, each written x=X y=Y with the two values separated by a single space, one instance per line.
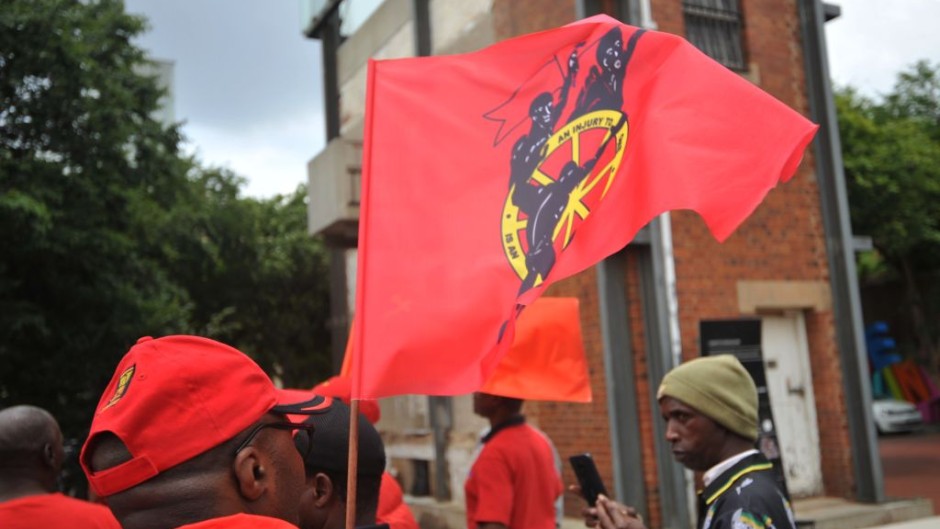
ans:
x=745 y=496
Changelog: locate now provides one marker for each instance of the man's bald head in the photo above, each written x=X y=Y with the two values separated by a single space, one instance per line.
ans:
x=30 y=448
x=27 y=429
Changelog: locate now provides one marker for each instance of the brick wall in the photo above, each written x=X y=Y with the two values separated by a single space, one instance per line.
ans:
x=577 y=428
x=573 y=427
x=783 y=240
x=512 y=18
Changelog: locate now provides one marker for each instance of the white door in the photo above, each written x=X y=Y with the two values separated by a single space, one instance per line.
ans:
x=790 y=385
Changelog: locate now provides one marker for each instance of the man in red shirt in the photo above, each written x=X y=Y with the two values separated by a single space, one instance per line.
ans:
x=191 y=433
x=31 y=457
x=514 y=482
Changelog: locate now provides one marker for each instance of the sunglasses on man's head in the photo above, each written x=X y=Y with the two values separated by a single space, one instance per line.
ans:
x=303 y=432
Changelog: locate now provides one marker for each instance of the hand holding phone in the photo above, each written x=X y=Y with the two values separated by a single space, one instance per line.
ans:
x=588 y=478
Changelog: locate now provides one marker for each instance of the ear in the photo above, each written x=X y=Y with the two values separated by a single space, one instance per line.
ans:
x=251 y=474
x=323 y=490
x=49 y=456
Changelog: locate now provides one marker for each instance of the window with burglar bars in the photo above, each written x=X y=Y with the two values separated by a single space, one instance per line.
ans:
x=714 y=26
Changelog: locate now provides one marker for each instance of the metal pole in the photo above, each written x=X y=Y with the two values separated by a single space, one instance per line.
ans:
x=869 y=480
x=330 y=40
x=622 y=406
x=662 y=354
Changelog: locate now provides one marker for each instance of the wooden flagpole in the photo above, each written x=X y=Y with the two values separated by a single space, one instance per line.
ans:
x=352 y=467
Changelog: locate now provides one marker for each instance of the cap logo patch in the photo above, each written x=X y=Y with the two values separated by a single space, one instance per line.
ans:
x=122 y=385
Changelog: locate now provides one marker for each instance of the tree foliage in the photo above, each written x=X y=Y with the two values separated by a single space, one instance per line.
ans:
x=891 y=152
x=259 y=278
x=110 y=233
x=81 y=165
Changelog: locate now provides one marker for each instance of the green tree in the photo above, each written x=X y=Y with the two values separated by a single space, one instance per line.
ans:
x=109 y=233
x=257 y=279
x=916 y=96
x=891 y=151
x=82 y=164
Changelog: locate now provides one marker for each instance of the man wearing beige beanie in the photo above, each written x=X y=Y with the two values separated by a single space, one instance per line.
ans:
x=710 y=408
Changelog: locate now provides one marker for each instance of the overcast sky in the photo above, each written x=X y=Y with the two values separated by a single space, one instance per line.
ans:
x=248 y=87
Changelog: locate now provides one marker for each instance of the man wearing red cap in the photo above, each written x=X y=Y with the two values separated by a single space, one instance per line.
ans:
x=191 y=433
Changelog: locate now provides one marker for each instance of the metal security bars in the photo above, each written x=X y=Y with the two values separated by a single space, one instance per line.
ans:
x=714 y=26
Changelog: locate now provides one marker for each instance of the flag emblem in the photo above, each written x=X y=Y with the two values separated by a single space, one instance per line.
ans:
x=525 y=163
x=543 y=214
x=558 y=176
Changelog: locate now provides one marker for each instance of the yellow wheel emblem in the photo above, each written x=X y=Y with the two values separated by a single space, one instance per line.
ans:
x=583 y=198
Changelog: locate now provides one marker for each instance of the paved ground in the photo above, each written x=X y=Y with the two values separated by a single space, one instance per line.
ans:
x=911 y=465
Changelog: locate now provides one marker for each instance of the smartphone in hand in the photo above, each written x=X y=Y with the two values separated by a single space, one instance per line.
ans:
x=588 y=477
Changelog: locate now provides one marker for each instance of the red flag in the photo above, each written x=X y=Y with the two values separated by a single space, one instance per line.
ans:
x=487 y=176
x=340 y=387
x=546 y=360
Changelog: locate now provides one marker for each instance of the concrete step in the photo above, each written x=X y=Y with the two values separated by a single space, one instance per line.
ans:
x=922 y=523
x=811 y=513
x=837 y=513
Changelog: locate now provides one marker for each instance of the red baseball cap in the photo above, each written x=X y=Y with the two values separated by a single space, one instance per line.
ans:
x=175 y=397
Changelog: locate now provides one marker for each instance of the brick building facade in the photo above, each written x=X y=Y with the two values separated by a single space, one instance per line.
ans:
x=775 y=266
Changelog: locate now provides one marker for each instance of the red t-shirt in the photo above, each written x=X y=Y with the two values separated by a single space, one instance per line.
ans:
x=241 y=521
x=55 y=510
x=514 y=481
x=392 y=509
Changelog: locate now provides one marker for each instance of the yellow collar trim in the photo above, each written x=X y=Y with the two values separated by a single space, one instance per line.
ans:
x=748 y=470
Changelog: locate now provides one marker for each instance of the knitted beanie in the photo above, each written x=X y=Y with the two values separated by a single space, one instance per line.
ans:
x=718 y=387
